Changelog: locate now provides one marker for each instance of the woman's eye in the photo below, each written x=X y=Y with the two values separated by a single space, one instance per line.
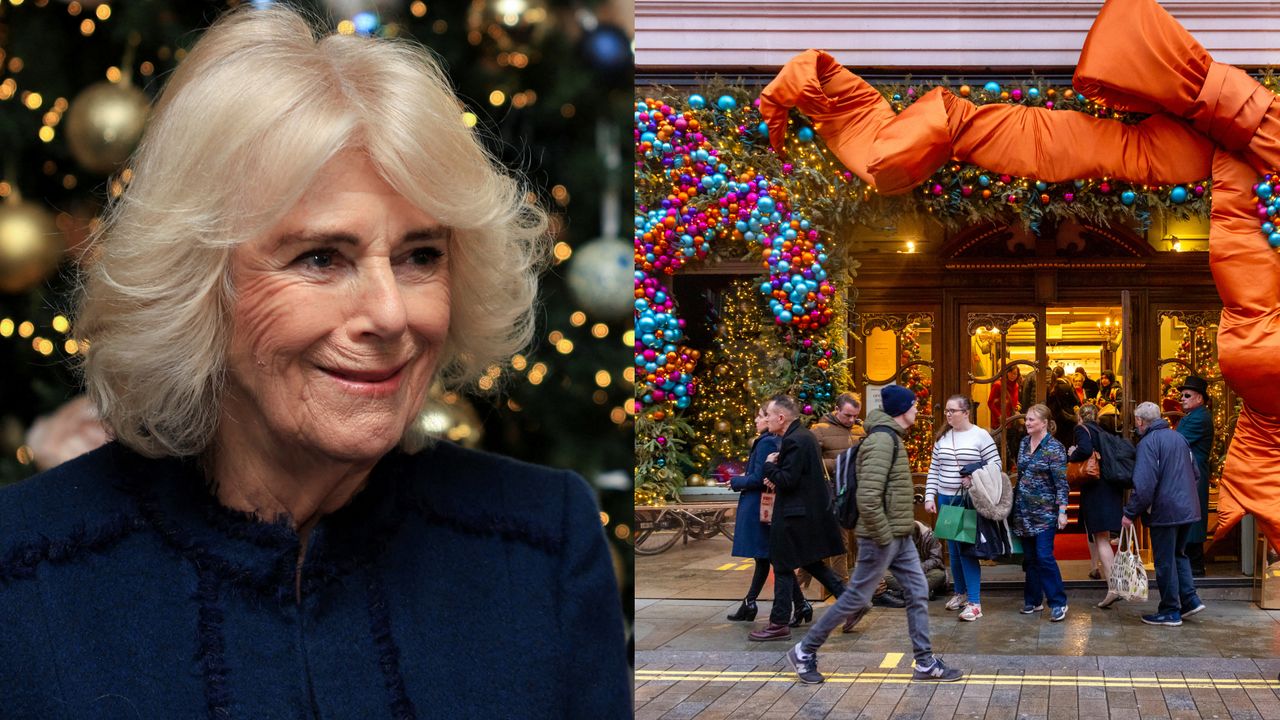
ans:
x=317 y=259
x=425 y=256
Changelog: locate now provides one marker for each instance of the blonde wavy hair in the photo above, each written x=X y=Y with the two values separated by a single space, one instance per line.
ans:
x=259 y=105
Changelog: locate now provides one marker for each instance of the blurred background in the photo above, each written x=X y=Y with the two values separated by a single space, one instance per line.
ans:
x=548 y=83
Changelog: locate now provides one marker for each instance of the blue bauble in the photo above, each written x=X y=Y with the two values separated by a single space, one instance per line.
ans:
x=1127 y=197
x=765 y=204
x=697 y=102
x=763 y=129
x=785 y=317
x=1033 y=93
x=1263 y=190
x=607 y=48
x=984 y=181
x=683 y=402
x=992 y=87
x=766 y=288
x=805 y=134
x=726 y=103
x=1274 y=239
x=1178 y=194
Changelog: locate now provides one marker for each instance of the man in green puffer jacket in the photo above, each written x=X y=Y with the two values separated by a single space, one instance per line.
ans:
x=885 y=521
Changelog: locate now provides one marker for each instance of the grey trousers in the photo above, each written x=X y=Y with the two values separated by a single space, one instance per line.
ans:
x=899 y=557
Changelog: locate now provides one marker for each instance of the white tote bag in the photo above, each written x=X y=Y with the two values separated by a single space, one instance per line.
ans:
x=1128 y=576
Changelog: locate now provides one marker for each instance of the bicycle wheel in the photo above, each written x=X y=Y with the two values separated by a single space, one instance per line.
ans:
x=702 y=525
x=727 y=519
x=656 y=535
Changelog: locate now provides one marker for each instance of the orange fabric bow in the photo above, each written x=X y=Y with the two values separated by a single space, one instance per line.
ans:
x=1206 y=117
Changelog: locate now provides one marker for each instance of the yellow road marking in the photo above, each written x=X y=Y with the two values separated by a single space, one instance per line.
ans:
x=747 y=566
x=890 y=660
x=1003 y=680
x=728 y=566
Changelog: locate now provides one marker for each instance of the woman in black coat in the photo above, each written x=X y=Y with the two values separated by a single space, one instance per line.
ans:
x=750 y=536
x=1101 y=503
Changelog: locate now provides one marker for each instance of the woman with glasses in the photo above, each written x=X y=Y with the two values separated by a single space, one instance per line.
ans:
x=960 y=444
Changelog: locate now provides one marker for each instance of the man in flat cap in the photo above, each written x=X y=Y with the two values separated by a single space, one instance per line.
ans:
x=1196 y=426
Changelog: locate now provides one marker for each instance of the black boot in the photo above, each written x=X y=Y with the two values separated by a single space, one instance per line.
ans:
x=803 y=613
x=746 y=612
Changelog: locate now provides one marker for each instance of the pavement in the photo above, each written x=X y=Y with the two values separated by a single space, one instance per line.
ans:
x=693 y=663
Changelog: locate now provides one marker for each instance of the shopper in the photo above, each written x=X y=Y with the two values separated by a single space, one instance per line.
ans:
x=1164 y=495
x=1039 y=511
x=803 y=531
x=1196 y=426
x=885 y=523
x=750 y=536
x=960 y=444
x=1101 y=502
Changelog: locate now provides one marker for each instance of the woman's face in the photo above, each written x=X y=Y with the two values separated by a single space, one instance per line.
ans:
x=340 y=315
x=1036 y=425
x=1077 y=381
x=957 y=415
x=762 y=421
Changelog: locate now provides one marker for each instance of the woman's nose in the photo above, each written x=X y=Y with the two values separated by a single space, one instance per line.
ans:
x=379 y=308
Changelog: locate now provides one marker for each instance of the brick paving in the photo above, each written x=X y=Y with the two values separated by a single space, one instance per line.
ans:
x=995 y=688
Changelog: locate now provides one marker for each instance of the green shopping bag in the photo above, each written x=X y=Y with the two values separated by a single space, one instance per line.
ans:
x=957 y=522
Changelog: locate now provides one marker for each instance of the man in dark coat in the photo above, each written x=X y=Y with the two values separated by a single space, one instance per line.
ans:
x=804 y=530
x=1164 y=494
x=1197 y=427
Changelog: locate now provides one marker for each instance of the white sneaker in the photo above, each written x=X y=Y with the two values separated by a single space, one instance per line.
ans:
x=957 y=602
x=971 y=612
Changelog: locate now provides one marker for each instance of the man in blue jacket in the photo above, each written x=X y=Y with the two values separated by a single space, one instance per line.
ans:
x=1197 y=427
x=1164 y=494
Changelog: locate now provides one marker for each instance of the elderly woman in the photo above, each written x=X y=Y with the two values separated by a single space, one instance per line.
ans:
x=1040 y=511
x=310 y=238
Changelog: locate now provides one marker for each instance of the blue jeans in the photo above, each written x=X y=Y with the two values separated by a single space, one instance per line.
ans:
x=1173 y=568
x=1044 y=579
x=966 y=573
x=899 y=557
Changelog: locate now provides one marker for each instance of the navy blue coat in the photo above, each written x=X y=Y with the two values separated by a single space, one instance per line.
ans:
x=750 y=536
x=1164 y=479
x=457 y=584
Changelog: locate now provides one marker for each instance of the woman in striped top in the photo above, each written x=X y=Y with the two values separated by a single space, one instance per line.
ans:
x=960 y=444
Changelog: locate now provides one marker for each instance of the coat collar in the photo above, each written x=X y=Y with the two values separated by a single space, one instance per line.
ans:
x=795 y=425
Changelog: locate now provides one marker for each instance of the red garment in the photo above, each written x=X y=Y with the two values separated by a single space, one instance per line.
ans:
x=1206 y=116
x=1002 y=404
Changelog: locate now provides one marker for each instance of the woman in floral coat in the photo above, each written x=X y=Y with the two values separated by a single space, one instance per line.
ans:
x=1040 y=511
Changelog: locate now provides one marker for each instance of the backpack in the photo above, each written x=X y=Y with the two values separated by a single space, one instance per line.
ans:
x=1117 y=461
x=846 y=503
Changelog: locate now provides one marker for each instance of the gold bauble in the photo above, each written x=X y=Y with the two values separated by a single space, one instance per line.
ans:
x=508 y=25
x=701 y=450
x=695 y=480
x=30 y=245
x=723 y=426
x=104 y=124
x=449 y=416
